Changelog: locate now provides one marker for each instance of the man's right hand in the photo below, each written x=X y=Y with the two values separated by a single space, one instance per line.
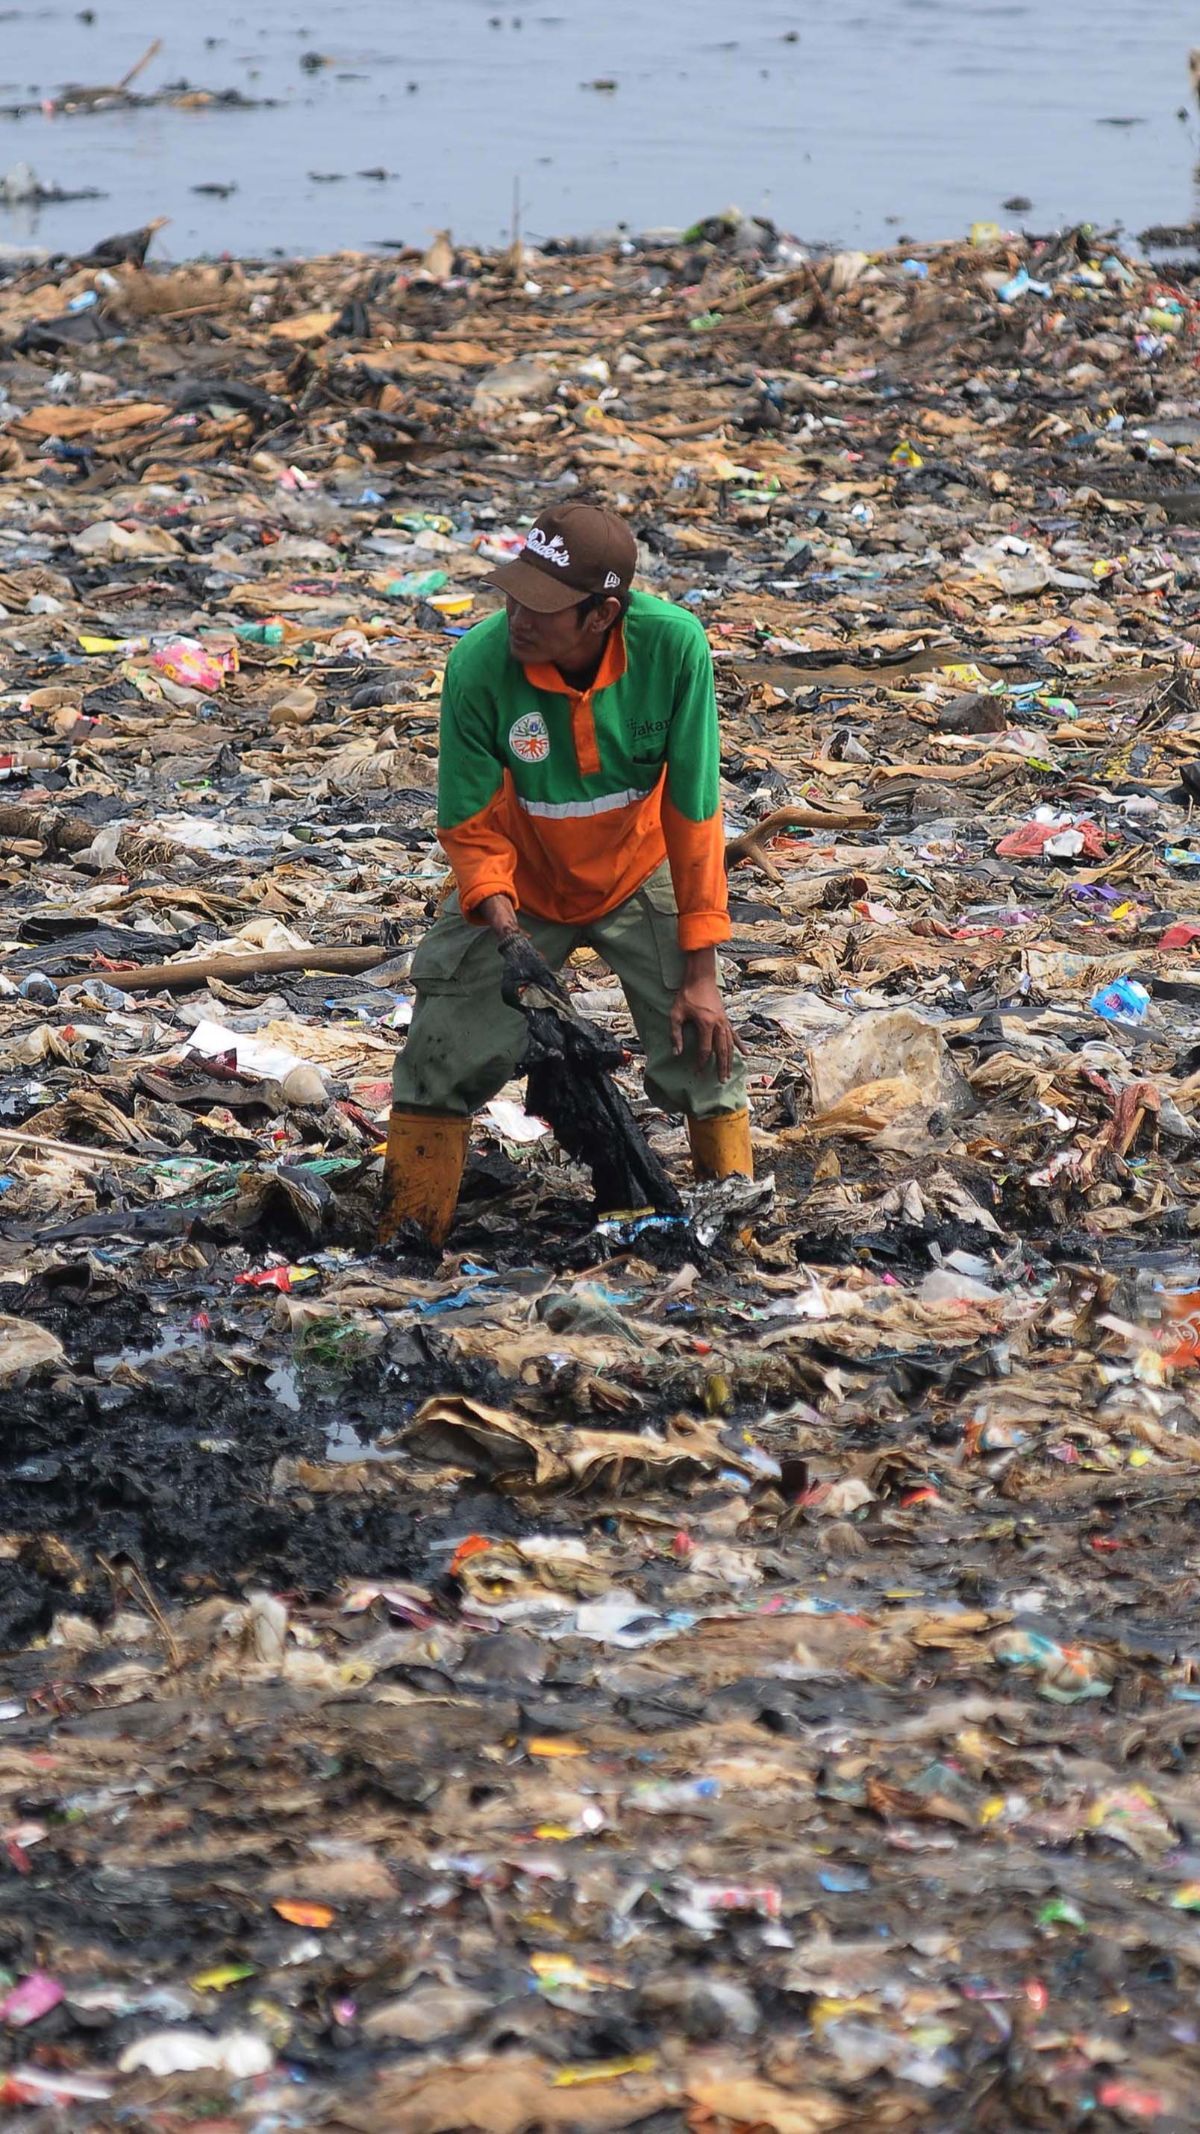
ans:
x=500 y=913
x=525 y=966
x=529 y=982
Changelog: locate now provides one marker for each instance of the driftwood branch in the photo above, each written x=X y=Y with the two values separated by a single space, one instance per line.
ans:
x=185 y=977
x=750 y=845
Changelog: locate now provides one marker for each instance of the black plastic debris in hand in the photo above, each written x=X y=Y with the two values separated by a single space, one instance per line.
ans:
x=568 y=1064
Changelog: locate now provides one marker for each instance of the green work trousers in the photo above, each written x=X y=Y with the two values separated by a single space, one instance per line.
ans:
x=464 y=1042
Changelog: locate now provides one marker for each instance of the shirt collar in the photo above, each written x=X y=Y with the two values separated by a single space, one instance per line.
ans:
x=611 y=668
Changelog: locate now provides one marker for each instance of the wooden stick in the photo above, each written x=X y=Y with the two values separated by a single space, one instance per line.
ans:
x=151 y=52
x=184 y=977
x=515 y=248
x=11 y=1138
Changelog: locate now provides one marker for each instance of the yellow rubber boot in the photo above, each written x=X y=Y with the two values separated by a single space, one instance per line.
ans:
x=721 y=1145
x=426 y=1152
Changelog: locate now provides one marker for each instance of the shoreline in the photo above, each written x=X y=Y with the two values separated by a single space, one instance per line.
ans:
x=731 y=1673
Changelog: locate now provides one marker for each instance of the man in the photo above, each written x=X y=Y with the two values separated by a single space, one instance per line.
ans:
x=578 y=801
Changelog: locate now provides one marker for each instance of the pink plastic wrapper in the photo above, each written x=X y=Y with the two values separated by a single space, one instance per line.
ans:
x=34 y=1997
x=193 y=665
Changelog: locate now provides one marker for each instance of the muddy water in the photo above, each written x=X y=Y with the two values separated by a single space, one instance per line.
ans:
x=854 y=122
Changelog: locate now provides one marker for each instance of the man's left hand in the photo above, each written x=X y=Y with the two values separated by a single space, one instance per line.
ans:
x=699 y=1003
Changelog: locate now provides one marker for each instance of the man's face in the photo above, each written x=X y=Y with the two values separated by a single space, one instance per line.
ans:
x=568 y=640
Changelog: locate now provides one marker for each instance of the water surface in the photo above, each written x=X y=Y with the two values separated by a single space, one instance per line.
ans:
x=881 y=117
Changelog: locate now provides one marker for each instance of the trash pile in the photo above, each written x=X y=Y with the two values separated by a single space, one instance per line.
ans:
x=728 y=1665
x=86 y=100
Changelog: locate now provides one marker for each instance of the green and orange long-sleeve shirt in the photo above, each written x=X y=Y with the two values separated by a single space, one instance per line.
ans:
x=566 y=800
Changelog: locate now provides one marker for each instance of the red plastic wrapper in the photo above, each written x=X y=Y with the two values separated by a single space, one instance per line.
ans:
x=1031 y=840
x=284 y=1279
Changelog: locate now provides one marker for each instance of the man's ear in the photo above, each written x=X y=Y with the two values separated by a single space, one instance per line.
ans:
x=606 y=615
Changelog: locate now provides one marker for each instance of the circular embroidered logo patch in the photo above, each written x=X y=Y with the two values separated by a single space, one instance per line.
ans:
x=529 y=738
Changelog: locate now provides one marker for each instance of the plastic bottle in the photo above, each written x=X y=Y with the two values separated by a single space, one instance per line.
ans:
x=1020 y=284
x=668 y=1796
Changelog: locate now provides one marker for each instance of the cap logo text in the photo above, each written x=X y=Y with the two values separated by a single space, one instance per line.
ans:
x=551 y=551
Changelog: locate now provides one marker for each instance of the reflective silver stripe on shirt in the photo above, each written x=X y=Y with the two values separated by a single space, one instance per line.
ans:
x=563 y=810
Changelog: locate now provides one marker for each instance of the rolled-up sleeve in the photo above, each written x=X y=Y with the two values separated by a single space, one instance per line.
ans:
x=472 y=798
x=691 y=810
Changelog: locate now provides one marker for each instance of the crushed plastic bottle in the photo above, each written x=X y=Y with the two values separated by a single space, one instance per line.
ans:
x=1122 y=1001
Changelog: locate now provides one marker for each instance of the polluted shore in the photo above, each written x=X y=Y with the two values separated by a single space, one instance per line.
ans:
x=723 y=1663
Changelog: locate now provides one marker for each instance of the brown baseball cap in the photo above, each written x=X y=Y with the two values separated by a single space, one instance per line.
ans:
x=570 y=551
